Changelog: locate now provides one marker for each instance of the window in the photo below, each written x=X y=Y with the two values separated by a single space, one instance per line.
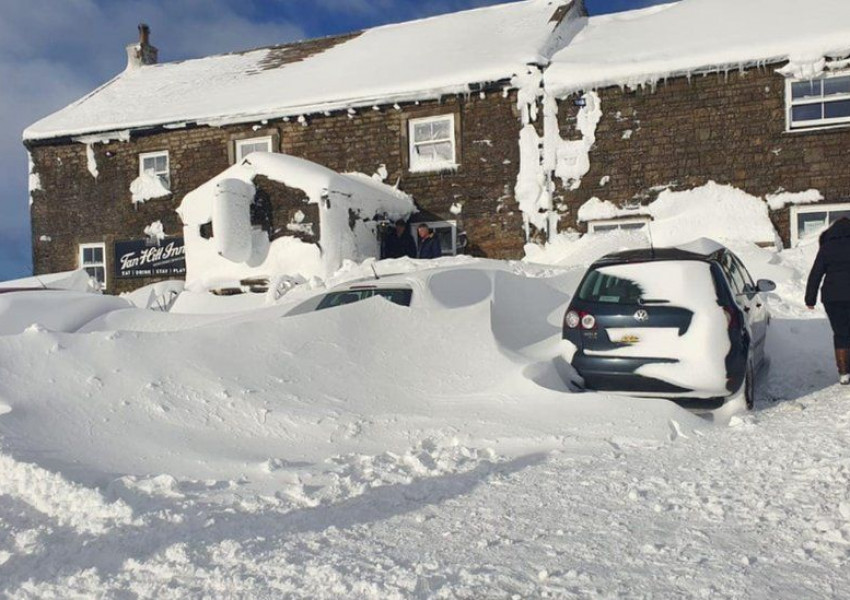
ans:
x=432 y=144
x=93 y=261
x=602 y=226
x=810 y=221
x=400 y=296
x=818 y=102
x=446 y=231
x=156 y=163
x=246 y=147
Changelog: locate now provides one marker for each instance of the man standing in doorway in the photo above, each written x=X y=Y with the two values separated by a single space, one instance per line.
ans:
x=398 y=242
x=429 y=243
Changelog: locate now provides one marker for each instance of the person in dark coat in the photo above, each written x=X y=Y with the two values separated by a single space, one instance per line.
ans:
x=429 y=243
x=398 y=242
x=832 y=265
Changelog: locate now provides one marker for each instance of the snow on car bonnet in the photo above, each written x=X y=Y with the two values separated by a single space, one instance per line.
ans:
x=701 y=350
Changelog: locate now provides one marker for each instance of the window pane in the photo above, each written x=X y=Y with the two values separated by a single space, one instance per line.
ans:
x=88 y=256
x=808 y=112
x=442 y=130
x=836 y=85
x=422 y=132
x=425 y=153
x=806 y=89
x=837 y=110
x=148 y=164
x=834 y=215
x=443 y=152
x=603 y=228
x=445 y=236
x=100 y=274
x=632 y=226
x=97 y=254
x=161 y=163
x=810 y=223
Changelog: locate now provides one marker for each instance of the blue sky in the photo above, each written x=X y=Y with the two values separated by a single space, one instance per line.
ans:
x=54 y=51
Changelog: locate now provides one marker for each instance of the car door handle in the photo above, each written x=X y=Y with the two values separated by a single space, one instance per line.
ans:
x=746 y=309
x=758 y=305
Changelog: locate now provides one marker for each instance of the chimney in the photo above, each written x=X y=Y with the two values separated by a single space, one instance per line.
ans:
x=141 y=53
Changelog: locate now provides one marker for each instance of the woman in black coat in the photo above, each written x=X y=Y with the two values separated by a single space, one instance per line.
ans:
x=833 y=266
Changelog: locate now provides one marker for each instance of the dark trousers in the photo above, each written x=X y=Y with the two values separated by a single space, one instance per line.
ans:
x=839 y=318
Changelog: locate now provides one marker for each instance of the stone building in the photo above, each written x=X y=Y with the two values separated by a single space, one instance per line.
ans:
x=501 y=123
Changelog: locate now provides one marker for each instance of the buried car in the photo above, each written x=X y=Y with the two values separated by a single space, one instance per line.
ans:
x=686 y=323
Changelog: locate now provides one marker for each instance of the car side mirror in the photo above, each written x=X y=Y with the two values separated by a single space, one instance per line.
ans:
x=765 y=285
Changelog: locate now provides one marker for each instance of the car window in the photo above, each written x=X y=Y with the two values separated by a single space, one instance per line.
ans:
x=400 y=296
x=653 y=282
x=748 y=280
x=733 y=273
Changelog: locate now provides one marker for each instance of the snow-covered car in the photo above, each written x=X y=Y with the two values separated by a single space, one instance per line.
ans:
x=686 y=323
x=397 y=291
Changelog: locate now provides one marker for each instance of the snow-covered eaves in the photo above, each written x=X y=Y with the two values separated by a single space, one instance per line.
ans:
x=417 y=60
x=643 y=47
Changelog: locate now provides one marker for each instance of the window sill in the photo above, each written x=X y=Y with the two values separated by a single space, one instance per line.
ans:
x=434 y=169
x=818 y=129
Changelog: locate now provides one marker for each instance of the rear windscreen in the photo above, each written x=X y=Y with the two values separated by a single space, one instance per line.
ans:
x=396 y=296
x=660 y=282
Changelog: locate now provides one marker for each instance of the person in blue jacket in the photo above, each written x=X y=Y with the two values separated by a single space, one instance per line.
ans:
x=832 y=266
x=429 y=243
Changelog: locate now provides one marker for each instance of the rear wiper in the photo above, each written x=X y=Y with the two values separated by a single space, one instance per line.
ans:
x=651 y=301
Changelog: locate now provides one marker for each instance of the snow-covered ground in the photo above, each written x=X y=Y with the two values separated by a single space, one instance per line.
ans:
x=225 y=449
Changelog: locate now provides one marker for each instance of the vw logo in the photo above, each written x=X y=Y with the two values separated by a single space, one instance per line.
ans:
x=642 y=316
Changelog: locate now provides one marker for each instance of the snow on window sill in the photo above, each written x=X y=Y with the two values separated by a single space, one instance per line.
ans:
x=434 y=168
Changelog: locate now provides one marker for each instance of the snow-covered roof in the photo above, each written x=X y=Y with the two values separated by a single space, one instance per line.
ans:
x=645 y=46
x=394 y=63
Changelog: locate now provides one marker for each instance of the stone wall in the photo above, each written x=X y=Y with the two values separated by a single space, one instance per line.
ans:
x=73 y=207
x=727 y=128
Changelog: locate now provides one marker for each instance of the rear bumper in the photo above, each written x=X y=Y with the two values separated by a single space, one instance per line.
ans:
x=610 y=374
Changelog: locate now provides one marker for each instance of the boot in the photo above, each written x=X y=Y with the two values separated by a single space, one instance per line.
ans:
x=842 y=359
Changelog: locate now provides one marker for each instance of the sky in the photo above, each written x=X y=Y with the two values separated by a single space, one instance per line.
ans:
x=52 y=52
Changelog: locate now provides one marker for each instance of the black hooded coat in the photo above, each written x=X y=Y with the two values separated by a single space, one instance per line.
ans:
x=832 y=265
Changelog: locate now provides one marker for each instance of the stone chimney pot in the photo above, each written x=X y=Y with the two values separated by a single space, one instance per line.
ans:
x=142 y=53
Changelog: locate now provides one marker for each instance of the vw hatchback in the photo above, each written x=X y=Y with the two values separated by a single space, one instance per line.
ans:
x=684 y=323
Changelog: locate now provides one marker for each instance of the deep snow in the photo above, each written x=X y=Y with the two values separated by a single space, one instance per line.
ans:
x=375 y=451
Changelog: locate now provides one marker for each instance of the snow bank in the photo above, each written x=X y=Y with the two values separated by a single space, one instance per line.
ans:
x=237 y=250
x=645 y=46
x=52 y=310
x=720 y=212
x=427 y=58
x=76 y=281
x=571 y=248
x=70 y=505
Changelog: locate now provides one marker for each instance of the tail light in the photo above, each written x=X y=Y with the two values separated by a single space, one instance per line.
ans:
x=731 y=318
x=573 y=319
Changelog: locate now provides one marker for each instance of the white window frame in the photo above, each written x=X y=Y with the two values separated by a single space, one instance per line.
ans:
x=413 y=167
x=83 y=264
x=166 y=174
x=593 y=225
x=239 y=144
x=434 y=225
x=822 y=100
x=796 y=211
